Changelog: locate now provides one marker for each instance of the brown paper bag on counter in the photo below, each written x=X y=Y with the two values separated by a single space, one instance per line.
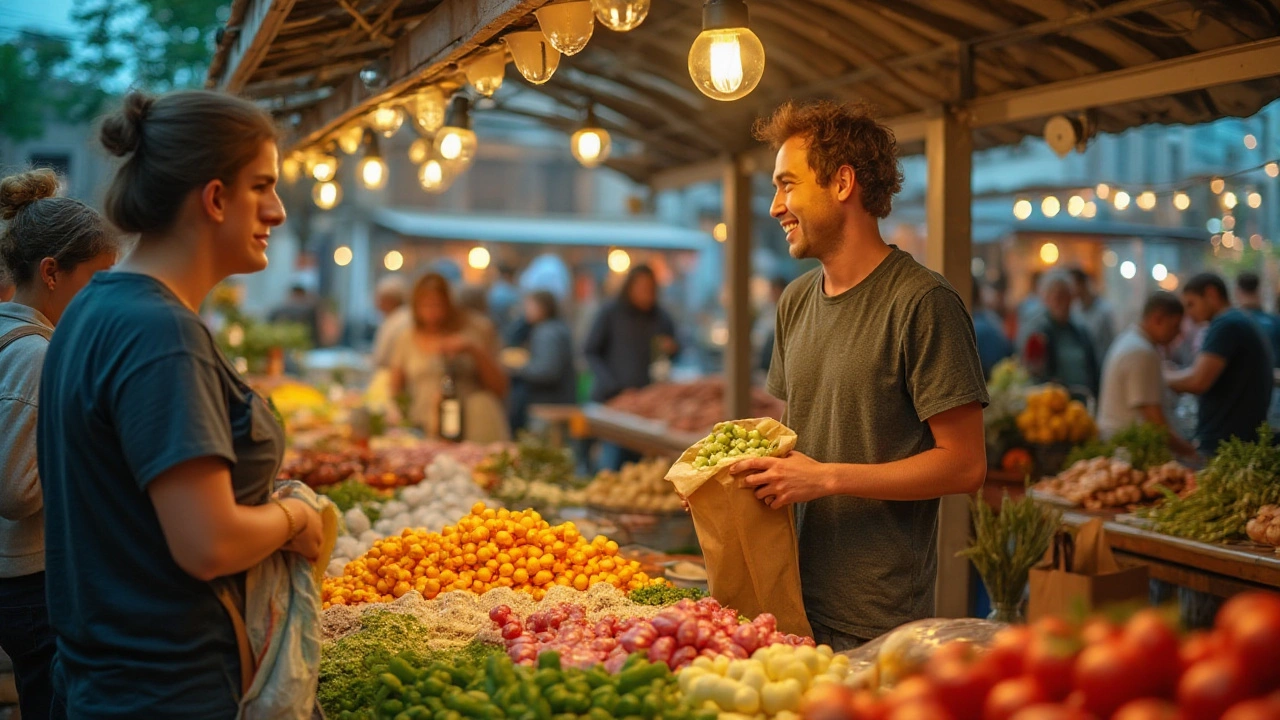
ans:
x=753 y=563
x=1083 y=574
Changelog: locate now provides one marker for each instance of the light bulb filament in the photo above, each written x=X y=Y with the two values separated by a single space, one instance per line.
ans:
x=451 y=146
x=726 y=63
x=589 y=145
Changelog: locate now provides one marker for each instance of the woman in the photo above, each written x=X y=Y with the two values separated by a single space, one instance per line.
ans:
x=547 y=375
x=448 y=340
x=621 y=344
x=157 y=459
x=50 y=247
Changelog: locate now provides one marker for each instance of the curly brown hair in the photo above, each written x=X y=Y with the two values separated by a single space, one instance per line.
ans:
x=839 y=134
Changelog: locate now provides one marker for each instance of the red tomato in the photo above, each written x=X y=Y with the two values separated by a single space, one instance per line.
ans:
x=956 y=650
x=1200 y=645
x=961 y=686
x=1010 y=696
x=1257 y=709
x=1007 y=649
x=1150 y=637
x=1099 y=630
x=1250 y=624
x=1211 y=686
x=914 y=689
x=1105 y=677
x=1052 y=625
x=921 y=710
x=869 y=706
x=1148 y=709
x=1050 y=660
x=828 y=701
x=1050 y=711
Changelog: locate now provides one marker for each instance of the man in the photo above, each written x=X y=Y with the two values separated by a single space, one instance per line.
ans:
x=504 y=299
x=390 y=296
x=1093 y=312
x=1054 y=347
x=1250 y=301
x=993 y=345
x=1232 y=371
x=1132 y=380
x=876 y=358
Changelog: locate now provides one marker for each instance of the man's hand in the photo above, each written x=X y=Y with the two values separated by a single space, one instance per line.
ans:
x=780 y=482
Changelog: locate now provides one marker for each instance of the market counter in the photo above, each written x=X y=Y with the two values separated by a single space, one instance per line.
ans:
x=1217 y=569
x=647 y=437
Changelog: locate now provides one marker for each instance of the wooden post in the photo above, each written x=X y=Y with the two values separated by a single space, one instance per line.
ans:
x=737 y=274
x=948 y=249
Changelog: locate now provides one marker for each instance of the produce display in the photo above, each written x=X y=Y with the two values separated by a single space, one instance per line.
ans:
x=1264 y=528
x=638 y=487
x=1054 y=670
x=447 y=494
x=773 y=682
x=486 y=549
x=1143 y=445
x=664 y=595
x=533 y=474
x=1238 y=482
x=676 y=636
x=1007 y=390
x=730 y=440
x=388 y=463
x=1051 y=416
x=692 y=406
x=1106 y=483
x=1007 y=544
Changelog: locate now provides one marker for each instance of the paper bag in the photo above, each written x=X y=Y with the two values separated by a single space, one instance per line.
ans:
x=751 y=553
x=1086 y=578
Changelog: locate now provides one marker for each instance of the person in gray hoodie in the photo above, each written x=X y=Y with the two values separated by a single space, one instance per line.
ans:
x=49 y=247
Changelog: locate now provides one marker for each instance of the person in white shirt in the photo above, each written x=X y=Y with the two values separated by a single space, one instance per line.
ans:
x=1132 y=375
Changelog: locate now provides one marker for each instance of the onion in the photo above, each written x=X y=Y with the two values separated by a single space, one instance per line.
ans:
x=747 y=637
x=662 y=649
x=687 y=633
x=683 y=656
x=667 y=623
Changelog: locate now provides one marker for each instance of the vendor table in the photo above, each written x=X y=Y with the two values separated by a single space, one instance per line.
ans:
x=1217 y=569
x=647 y=437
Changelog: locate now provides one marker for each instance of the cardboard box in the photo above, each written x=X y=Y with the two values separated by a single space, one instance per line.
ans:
x=1087 y=579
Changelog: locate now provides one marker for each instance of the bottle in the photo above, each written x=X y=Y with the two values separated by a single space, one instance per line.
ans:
x=450 y=410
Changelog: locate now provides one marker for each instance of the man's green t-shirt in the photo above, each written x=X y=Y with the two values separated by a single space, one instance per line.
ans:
x=861 y=373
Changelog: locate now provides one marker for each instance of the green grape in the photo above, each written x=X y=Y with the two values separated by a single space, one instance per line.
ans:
x=739 y=432
x=755 y=435
x=753 y=444
x=735 y=452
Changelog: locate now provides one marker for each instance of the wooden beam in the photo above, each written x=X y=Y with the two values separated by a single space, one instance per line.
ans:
x=737 y=272
x=1224 y=66
x=948 y=246
x=262 y=21
x=424 y=54
x=369 y=30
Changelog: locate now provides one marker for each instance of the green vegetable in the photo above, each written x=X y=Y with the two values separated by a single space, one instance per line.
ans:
x=660 y=595
x=729 y=439
x=1146 y=444
x=353 y=493
x=1006 y=545
x=1239 y=480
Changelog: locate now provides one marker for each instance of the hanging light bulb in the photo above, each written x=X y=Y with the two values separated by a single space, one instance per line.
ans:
x=324 y=168
x=350 y=137
x=455 y=144
x=1255 y=200
x=386 y=119
x=619 y=261
x=486 y=70
x=1146 y=200
x=372 y=168
x=727 y=59
x=478 y=258
x=1050 y=206
x=1121 y=200
x=342 y=256
x=1022 y=209
x=291 y=168
x=419 y=151
x=567 y=25
x=393 y=261
x=1090 y=209
x=434 y=177
x=1075 y=205
x=1217 y=185
x=1103 y=191
x=533 y=55
x=1229 y=200
x=1181 y=200
x=590 y=145
x=621 y=15
x=426 y=109
x=326 y=195
x=1273 y=169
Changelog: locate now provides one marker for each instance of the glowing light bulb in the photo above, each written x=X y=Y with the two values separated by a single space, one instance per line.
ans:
x=1181 y=200
x=486 y=70
x=1022 y=209
x=1250 y=142
x=1255 y=200
x=393 y=261
x=533 y=55
x=1273 y=169
x=1109 y=258
x=326 y=195
x=620 y=15
x=324 y=168
x=1090 y=209
x=726 y=63
x=1075 y=205
x=567 y=25
x=1147 y=200
x=342 y=256
x=1159 y=272
x=478 y=258
x=1049 y=253
x=1050 y=206
x=1229 y=200
x=720 y=232
x=1103 y=191
x=432 y=176
x=451 y=146
x=1217 y=185
x=1121 y=200
x=619 y=261
x=591 y=144
x=349 y=139
x=1128 y=270
x=386 y=119
x=373 y=173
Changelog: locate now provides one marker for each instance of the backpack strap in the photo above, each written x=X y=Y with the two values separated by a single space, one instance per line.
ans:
x=23 y=331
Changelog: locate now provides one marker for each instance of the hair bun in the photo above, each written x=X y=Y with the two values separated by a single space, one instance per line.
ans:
x=121 y=132
x=19 y=191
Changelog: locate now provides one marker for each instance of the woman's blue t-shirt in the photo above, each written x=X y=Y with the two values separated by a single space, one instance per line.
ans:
x=134 y=385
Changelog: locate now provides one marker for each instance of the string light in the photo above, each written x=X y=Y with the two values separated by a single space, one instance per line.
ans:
x=1181 y=200
x=726 y=60
x=619 y=261
x=1255 y=241
x=1128 y=270
x=1090 y=209
x=720 y=232
x=393 y=261
x=1255 y=200
x=1273 y=169
x=1049 y=253
x=1050 y=206
x=478 y=258
x=342 y=256
x=1250 y=141
x=1147 y=200
x=1159 y=272
x=567 y=25
x=1217 y=185
x=1103 y=191
x=326 y=195
x=1121 y=200
x=1075 y=205
x=1228 y=239
x=1228 y=222
x=1022 y=209
x=1229 y=200
x=1169 y=283
x=1109 y=258
x=386 y=119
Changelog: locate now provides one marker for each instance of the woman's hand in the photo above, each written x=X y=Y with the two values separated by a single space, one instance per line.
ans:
x=307 y=542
